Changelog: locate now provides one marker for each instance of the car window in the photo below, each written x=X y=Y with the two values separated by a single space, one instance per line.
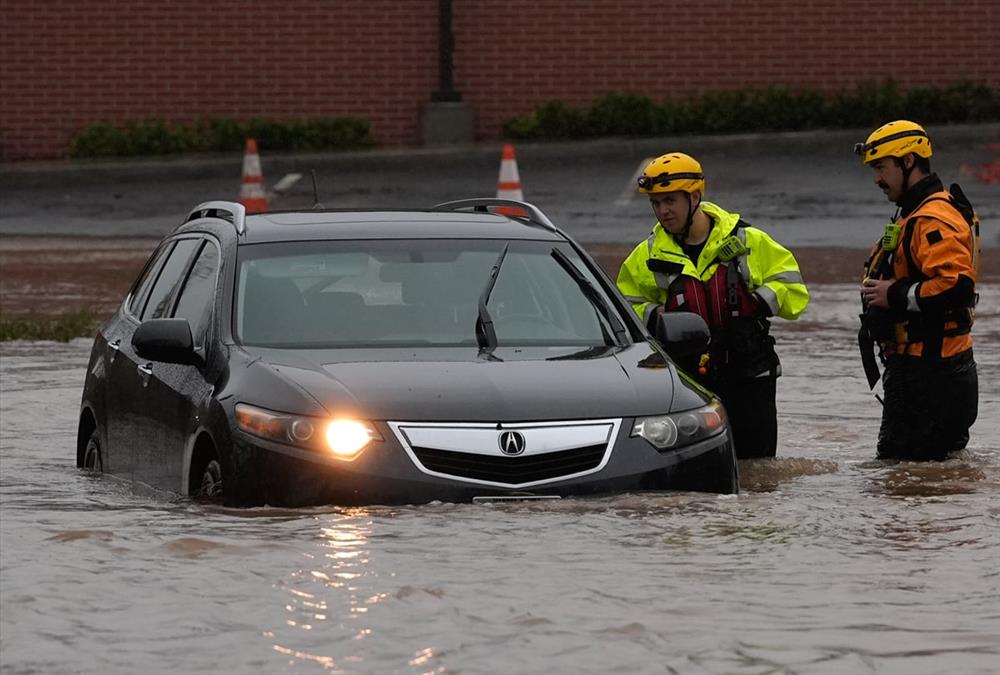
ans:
x=140 y=289
x=411 y=293
x=196 y=299
x=170 y=277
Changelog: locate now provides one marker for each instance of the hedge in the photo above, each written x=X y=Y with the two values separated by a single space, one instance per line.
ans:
x=81 y=323
x=157 y=137
x=747 y=110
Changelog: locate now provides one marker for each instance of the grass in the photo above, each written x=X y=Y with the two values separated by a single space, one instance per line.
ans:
x=80 y=323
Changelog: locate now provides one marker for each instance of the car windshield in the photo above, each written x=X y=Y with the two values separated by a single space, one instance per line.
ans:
x=416 y=292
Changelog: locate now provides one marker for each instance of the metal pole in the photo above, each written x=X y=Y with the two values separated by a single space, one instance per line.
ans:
x=446 y=51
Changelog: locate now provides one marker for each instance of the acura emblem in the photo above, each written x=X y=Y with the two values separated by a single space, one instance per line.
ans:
x=511 y=442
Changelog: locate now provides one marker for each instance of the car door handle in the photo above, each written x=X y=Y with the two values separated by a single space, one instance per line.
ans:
x=145 y=372
x=114 y=347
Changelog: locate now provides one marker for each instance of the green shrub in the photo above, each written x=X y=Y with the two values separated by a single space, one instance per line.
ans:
x=157 y=137
x=773 y=108
x=81 y=323
x=523 y=127
x=620 y=114
x=98 y=140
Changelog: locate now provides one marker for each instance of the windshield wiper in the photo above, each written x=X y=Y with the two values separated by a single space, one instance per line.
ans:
x=595 y=297
x=485 y=334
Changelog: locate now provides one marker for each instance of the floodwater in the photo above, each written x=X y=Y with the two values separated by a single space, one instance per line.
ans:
x=828 y=562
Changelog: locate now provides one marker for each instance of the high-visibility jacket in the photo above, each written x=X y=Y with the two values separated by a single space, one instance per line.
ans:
x=935 y=268
x=767 y=268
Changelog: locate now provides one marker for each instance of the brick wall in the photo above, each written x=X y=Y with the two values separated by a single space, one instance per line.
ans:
x=66 y=63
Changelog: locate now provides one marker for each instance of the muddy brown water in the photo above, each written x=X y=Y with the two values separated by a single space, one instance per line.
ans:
x=828 y=562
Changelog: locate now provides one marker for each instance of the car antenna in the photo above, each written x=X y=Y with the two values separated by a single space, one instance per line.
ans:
x=316 y=204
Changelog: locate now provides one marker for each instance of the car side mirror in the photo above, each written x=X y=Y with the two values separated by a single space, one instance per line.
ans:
x=166 y=340
x=684 y=336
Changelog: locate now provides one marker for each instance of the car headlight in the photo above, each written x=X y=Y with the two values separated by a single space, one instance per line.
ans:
x=683 y=428
x=340 y=438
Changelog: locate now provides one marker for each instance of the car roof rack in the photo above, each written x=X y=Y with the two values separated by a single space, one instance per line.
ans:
x=229 y=211
x=482 y=204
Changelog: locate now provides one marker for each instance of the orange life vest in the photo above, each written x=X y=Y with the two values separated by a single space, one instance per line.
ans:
x=947 y=334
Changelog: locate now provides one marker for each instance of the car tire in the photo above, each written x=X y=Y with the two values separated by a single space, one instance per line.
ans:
x=732 y=486
x=723 y=477
x=93 y=457
x=211 y=485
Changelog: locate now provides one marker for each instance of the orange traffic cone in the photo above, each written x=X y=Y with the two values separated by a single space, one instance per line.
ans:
x=252 y=194
x=509 y=182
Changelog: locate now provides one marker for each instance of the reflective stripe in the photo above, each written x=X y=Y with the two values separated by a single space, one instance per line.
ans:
x=663 y=280
x=650 y=308
x=744 y=265
x=744 y=268
x=789 y=277
x=636 y=299
x=911 y=299
x=768 y=296
x=649 y=244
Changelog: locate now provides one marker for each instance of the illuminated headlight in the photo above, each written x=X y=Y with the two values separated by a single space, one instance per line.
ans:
x=340 y=438
x=683 y=428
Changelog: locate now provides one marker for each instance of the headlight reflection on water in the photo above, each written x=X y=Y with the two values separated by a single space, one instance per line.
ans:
x=325 y=597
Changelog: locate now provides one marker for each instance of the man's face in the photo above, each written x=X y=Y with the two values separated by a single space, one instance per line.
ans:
x=673 y=208
x=888 y=175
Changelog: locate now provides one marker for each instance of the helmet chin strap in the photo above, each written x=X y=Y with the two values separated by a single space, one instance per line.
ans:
x=906 y=173
x=690 y=218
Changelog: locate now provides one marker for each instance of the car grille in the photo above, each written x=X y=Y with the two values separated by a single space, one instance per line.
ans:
x=511 y=470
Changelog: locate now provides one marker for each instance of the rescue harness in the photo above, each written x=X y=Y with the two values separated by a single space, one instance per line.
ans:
x=741 y=344
x=882 y=327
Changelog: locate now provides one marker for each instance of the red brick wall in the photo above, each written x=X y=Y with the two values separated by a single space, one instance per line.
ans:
x=65 y=63
x=513 y=53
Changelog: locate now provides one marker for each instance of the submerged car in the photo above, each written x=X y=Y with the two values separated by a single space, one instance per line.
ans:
x=392 y=357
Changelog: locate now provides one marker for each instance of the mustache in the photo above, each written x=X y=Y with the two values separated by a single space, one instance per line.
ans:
x=882 y=184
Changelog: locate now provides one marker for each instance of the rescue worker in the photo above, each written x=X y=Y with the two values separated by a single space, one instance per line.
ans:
x=703 y=259
x=918 y=295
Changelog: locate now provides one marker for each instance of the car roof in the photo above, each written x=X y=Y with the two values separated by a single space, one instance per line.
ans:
x=385 y=224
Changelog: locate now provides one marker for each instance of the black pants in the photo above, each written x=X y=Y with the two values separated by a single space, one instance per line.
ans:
x=753 y=416
x=929 y=406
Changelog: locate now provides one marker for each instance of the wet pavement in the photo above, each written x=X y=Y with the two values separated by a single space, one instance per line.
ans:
x=828 y=562
x=805 y=188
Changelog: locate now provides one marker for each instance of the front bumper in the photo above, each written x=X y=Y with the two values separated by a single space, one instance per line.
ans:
x=391 y=473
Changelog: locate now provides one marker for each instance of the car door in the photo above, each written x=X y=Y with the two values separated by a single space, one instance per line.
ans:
x=133 y=431
x=173 y=394
x=119 y=363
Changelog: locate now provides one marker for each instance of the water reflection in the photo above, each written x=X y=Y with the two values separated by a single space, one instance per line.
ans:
x=324 y=597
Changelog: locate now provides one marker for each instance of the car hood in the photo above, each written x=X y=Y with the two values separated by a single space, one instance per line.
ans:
x=443 y=385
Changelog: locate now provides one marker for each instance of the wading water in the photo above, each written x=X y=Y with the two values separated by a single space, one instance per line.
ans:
x=828 y=561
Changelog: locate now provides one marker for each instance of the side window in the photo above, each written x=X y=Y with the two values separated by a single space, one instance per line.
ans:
x=197 y=298
x=169 y=279
x=140 y=289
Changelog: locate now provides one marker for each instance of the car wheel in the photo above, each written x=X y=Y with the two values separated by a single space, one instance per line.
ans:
x=733 y=488
x=211 y=481
x=727 y=477
x=93 y=459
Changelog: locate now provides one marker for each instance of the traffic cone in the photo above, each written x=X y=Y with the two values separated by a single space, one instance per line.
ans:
x=509 y=182
x=252 y=194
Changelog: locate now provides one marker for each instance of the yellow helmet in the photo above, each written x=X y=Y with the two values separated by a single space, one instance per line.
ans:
x=895 y=139
x=672 y=172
